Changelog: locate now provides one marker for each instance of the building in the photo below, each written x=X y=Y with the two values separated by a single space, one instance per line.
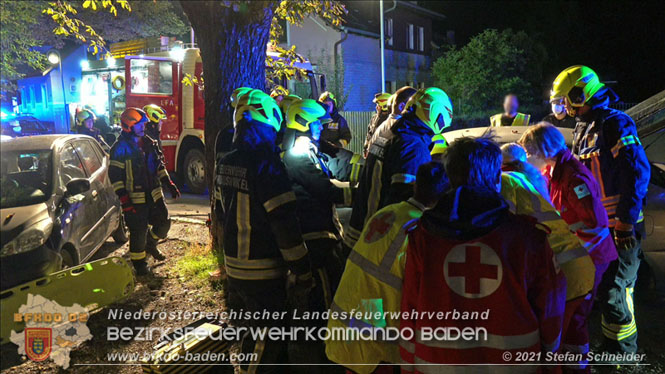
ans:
x=350 y=55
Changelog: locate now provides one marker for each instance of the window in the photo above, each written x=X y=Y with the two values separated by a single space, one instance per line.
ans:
x=389 y=31
x=421 y=39
x=152 y=77
x=409 y=36
x=91 y=161
x=70 y=165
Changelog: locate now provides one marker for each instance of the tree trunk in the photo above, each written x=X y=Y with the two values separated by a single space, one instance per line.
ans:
x=233 y=51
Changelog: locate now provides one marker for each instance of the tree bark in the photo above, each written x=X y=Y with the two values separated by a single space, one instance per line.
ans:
x=233 y=44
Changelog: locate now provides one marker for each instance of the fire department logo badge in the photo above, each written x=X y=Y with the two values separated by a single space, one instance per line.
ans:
x=473 y=270
x=37 y=343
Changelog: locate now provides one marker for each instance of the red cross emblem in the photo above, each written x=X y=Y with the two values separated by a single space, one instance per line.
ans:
x=473 y=270
x=379 y=226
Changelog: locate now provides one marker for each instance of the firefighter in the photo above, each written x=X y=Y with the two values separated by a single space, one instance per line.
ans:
x=606 y=142
x=510 y=115
x=559 y=117
x=262 y=240
x=372 y=279
x=224 y=137
x=382 y=112
x=470 y=254
x=397 y=104
x=153 y=129
x=137 y=172
x=395 y=155
x=85 y=124
x=576 y=196
x=335 y=134
x=316 y=197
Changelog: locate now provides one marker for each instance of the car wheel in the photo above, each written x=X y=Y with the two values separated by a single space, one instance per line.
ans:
x=67 y=258
x=121 y=234
x=194 y=171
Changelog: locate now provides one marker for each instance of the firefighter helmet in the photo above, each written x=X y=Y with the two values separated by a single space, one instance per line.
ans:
x=433 y=107
x=327 y=96
x=278 y=91
x=302 y=113
x=132 y=116
x=287 y=101
x=381 y=99
x=83 y=116
x=237 y=93
x=154 y=112
x=260 y=107
x=577 y=84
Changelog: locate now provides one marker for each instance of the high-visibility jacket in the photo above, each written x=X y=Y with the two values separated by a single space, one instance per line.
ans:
x=137 y=170
x=469 y=254
x=316 y=195
x=607 y=143
x=571 y=256
x=520 y=119
x=257 y=208
x=576 y=195
x=372 y=282
x=390 y=171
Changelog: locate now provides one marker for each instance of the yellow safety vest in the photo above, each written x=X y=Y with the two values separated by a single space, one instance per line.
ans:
x=571 y=255
x=520 y=119
x=372 y=282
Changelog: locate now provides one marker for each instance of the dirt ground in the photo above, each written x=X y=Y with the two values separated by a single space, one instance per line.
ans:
x=170 y=291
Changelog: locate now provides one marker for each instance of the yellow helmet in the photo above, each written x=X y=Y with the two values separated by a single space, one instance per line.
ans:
x=83 y=115
x=577 y=84
x=278 y=91
x=381 y=99
x=429 y=105
x=260 y=107
x=154 y=112
x=302 y=113
x=327 y=96
x=287 y=101
x=439 y=145
x=237 y=93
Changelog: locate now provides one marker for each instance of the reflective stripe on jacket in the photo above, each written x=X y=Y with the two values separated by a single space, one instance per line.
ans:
x=571 y=256
x=371 y=283
x=520 y=119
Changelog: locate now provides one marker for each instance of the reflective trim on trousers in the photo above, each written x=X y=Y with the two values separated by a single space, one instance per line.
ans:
x=136 y=256
x=243 y=224
x=374 y=192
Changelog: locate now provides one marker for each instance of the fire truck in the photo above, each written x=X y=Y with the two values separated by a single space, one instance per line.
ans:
x=158 y=79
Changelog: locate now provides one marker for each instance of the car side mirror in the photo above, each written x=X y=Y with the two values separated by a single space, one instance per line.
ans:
x=77 y=186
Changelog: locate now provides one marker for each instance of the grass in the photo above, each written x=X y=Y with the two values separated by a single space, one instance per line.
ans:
x=194 y=267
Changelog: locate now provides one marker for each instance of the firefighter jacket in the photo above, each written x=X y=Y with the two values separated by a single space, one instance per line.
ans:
x=152 y=130
x=390 y=171
x=572 y=257
x=374 y=123
x=372 y=282
x=257 y=208
x=606 y=142
x=137 y=170
x=96 y=134
x=336 y=132
x=471 y=255
x=576 y=195
x=315 y=193
x=520 y=119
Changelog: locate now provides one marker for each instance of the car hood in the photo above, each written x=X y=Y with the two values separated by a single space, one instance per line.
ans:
x=14 y=220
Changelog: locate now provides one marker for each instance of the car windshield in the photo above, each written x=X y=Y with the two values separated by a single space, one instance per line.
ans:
x=26 y=177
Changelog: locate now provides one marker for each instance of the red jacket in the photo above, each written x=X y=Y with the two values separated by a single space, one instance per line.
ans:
x=470 y=254
x=576 y=196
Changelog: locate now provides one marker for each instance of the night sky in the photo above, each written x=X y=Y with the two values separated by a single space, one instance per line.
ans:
x=623 y=41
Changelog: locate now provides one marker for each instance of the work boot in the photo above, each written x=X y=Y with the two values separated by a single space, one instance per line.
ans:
x=151 y=249
x=142 y=268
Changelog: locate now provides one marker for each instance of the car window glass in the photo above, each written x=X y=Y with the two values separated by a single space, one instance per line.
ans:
x=70 y=165
x=87 y=154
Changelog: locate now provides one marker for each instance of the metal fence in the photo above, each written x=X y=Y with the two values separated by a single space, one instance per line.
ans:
x=358 y=122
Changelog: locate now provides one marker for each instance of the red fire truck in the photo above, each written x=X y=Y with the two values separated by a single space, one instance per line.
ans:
x=157 y=79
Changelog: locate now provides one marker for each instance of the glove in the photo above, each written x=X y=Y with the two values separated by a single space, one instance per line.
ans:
x=328 y=148
x=175 y=192
x=624 y=236
x=127 y=206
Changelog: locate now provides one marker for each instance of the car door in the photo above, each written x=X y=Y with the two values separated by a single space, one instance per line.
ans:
x=99 y=206
x=76 y=210
x=109 y=196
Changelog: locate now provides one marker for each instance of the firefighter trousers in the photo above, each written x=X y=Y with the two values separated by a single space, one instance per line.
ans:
x=260 y=296
x=616 y=300
x=575 y=332
x=147 y=226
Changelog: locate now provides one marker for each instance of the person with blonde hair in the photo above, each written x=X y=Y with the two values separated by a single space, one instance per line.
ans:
x=576 y=195
x=514 y=160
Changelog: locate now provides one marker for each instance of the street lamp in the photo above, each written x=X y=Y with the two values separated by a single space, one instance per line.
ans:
x=54 y=57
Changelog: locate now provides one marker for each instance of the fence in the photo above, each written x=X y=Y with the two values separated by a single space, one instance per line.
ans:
x=358 y=122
